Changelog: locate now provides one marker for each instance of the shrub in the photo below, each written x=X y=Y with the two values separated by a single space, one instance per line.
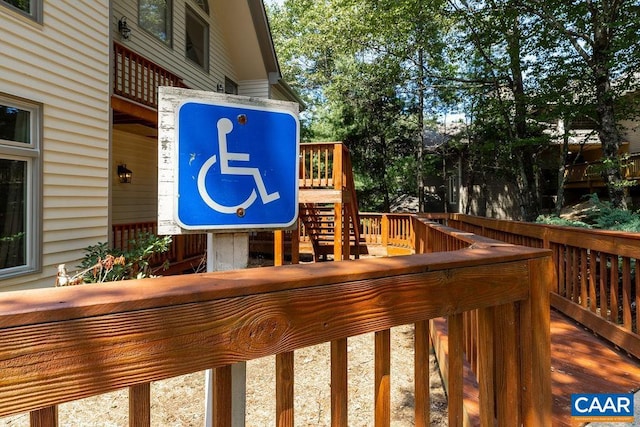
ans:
x=102 y=264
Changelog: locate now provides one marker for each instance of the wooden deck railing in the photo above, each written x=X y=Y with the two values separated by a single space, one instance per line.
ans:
x=185 y=252
x=597 y=282
x=394 y=231
x=590 y=172
x=64 y=344
x=137 y=78
x=317 y=163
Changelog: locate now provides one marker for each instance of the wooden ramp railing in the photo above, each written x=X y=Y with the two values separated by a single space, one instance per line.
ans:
x=64 y=344
x=597 y=283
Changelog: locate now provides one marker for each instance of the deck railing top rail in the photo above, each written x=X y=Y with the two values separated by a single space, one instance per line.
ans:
x=97 y=338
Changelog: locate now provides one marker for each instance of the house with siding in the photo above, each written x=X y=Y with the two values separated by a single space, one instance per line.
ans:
x=78 y=104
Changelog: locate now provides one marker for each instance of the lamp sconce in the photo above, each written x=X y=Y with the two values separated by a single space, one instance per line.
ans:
x=124 y=174
x=220 y=87
x=123 y=28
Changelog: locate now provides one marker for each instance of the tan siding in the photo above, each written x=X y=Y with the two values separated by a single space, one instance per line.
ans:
x=255 y=88
x=64 y=65
x=137 y=201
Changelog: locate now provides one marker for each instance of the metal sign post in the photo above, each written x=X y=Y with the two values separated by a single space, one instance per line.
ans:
x=227 y=165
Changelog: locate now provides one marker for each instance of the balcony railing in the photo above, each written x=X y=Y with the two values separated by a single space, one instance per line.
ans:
x=137 y=78
x=64 y=344
x=590 y=172
x=597 y=283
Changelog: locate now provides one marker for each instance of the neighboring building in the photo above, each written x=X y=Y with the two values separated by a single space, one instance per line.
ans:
x=78 y=86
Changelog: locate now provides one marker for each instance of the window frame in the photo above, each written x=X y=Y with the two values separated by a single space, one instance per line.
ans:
x=196 y=14
x=168 y=24
x=35 y=12
x=31 y=154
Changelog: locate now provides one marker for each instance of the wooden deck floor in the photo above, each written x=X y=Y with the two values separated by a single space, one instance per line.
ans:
x=580 y=363
x=584 y=363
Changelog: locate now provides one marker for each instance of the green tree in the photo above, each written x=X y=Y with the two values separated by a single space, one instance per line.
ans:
x=602 y=37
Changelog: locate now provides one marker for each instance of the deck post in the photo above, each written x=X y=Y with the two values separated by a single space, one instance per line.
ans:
x=535 y=348
x=227 y=251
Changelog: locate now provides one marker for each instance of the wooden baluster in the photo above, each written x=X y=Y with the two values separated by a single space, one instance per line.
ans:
x=45 y=417
x=604 y=306
x=278 y=247
x=339 y=383
x=383 y=378
x=507 y=362
x=455 y=374
x=422 y=373
x=221 y=396
x=140 y=405
x=284 y=389
x=583 y=278
x=626 y=293
x=593 y=265
x=614 y=289
x=486 y=365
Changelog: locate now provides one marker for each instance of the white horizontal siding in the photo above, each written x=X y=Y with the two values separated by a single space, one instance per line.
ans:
x=63 y=64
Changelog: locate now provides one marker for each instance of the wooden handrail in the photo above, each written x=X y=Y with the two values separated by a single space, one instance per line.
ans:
x=596 y=280
x=63 y=344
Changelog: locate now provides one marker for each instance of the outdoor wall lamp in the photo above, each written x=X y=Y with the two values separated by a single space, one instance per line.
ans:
x=123 y=28
x=124 y=174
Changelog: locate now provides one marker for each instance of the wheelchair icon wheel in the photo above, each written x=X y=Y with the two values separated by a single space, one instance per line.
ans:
x=202 y=189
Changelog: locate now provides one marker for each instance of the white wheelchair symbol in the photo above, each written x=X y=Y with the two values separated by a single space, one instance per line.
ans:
x=225 y=126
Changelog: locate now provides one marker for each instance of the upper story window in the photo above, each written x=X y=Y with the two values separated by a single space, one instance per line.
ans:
x=203 y=4
x=31 y=8
x=230 y=87
x=19 y=186
x=197 y=38
x=155 y=16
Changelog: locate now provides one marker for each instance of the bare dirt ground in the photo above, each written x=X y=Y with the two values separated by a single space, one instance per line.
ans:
x=180 y=401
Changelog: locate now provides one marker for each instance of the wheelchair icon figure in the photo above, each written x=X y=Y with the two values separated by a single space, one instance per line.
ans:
x=225 y=126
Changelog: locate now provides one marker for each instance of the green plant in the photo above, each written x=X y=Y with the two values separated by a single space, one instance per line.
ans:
x=103 y=264
x=555 y=220
x=606 y=217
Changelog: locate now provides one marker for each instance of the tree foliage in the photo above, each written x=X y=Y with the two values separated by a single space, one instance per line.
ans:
x=378 y=74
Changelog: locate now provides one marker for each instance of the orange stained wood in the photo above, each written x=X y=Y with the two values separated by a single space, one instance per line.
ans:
x=580 y=363
x=583 y=363
x=127 y=334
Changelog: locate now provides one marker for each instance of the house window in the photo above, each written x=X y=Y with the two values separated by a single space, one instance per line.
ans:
x=454 y=188
x=203 y=4
x=155 y=17
x=31 y=8
x=197 y=39
x=19 y=186
x=230 y=87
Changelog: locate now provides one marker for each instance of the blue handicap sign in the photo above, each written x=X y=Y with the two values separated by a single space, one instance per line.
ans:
x=237 y=167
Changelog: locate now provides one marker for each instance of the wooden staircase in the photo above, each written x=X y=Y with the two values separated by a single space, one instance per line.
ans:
x=328 y=203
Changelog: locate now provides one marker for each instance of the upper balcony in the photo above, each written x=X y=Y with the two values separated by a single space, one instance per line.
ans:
x=135 y=86
x=587 y=175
